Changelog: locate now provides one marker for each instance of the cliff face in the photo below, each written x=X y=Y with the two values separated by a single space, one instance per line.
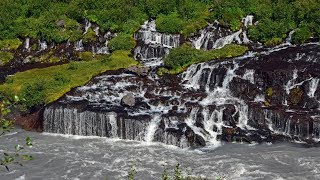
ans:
x=267 y=95
x=262 y=97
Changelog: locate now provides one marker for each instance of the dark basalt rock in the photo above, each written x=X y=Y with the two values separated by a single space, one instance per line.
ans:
x=272 y=104
x=140 y=71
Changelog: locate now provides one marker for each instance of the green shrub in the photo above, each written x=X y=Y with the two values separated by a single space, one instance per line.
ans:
x=72 y=66
x=301 y=35
x=122 y=42
x=273 y=42
x=86 y=56
x=60 y=79
x=90 y=36
x=169 y=23
x=162 y=71
x=183 y=56
x=10 y=44
x=5 y=57
x=33 y=94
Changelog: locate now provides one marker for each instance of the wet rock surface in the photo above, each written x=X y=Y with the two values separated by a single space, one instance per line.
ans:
x=266 y=97
x=128 y=100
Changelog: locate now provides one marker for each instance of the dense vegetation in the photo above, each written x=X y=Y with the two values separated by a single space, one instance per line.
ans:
x=275 y=18
x=42 y=86
x=182 y=57
x=42 y=19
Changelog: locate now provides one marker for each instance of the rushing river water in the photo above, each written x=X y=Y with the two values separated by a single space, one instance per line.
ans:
x=74 y=157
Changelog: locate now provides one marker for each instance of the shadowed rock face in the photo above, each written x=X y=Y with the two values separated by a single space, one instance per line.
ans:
x=269 y=96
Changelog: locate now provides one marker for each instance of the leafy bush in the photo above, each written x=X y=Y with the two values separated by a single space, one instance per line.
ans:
x=273 y=42
x=34 y=94
x=86 y=56
x=122 y=42
x=301 y=35
x=10 y=44
x=90 y=36
x=183 y=56
x=5 y=57
x=169 y=23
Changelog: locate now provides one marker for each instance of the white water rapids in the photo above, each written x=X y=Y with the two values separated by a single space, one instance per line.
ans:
x=73 y=157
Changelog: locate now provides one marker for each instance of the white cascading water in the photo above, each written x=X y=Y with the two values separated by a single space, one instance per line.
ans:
x=42 y=45
x=155 y=45
x=87 y=26
x=78 y=46
x=219 y=96
x=27 y=44
x=152 y=127
x=313 y=87
x=214 y=34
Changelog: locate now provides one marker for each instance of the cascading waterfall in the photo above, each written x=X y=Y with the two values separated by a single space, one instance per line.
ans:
x=214 y=101
x=215 y=37
x=27 y=44
x=152 y=45
x=313 y=87
x=42 y=45
x=78 y=46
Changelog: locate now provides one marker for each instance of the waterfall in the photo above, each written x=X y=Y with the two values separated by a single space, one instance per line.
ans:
x=248 y=21
x=291 y=83
x=149 y=35
x=228 y=40
x=289 y=38
x=87 y=26
x=313 y=87
x=42 y=45
x=152 y=45
x=78 y=46
x=27 y=44
x=153 y=126
x=249 y=75
x=209 y=102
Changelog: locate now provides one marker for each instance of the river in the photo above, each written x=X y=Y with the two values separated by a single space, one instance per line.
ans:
x=76 y=157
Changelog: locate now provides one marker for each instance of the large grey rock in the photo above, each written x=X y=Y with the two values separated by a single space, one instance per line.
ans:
x=139 y=70
x=128 y=100
x=61 y=23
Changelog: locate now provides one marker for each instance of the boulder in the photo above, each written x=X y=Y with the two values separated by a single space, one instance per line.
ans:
x=128 y=100
x=61 y=23
x=139 y=70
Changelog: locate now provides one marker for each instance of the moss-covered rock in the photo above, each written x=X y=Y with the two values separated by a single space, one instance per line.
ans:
x=122 y=42
x=10 y=44
x=5 y=57
x=182 y=57
x=86 y=56
x=162 y=71
x=273 y=42
x=295 y=96
x=90 y=36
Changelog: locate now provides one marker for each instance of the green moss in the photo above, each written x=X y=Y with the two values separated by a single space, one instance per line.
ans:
x=182 y=57
x=34 y=47
x=58 y=80
x=169 y=23
x=162 y=71
x=301 y=35
x=86 y=56
x=90 y=36
x=5 y=57
x=122 y=42
x=296 y=96
x=273 y=42
x=269 y=92
x=10 y=44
